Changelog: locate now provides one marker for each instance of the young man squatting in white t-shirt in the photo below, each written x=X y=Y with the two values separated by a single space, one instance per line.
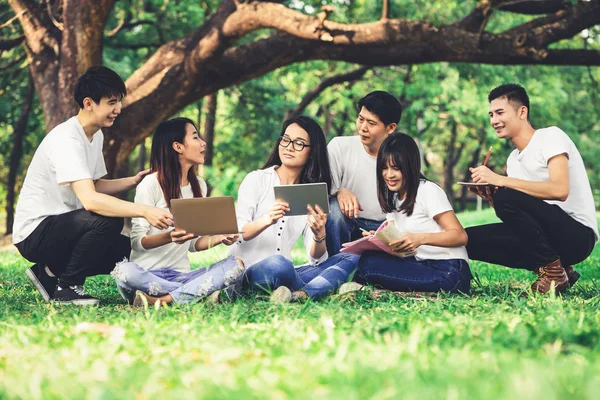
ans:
x=545 y=203
x=67 y=221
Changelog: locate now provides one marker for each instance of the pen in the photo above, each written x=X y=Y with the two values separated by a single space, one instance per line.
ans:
x=365 y=230
x=487 y=157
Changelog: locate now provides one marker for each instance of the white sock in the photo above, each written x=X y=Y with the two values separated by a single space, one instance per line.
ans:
x=49 y=272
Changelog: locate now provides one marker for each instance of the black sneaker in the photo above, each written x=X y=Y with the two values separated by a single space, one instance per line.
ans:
x=73 y=295
x=44 y=283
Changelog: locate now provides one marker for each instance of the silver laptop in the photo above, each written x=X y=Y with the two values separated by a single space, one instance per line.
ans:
x=205 y=215
x=301 y=195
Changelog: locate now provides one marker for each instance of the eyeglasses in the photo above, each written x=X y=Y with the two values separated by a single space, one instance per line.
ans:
x=297 y=144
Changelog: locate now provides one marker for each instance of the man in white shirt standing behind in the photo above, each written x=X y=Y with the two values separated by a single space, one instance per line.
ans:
x=545 y=203
x=67 y=222
x=353 y=161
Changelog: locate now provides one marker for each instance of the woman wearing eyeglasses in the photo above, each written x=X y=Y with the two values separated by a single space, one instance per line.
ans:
x=299 y=156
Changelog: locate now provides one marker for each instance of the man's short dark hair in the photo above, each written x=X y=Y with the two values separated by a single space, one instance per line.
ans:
x=382 y=104
x=98 y=82
x=512 y=92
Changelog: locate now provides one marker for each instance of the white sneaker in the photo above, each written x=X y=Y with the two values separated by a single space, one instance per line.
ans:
x=350 y=287
x=281 y=295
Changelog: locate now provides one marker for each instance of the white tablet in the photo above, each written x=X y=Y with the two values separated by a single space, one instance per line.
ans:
x=301 y=195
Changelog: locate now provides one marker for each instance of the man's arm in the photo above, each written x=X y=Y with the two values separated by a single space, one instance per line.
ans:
x=109 y=206
x=116 y=186
x=556 y=188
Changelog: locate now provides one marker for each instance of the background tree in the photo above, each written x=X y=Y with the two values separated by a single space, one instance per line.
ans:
x=240 y=41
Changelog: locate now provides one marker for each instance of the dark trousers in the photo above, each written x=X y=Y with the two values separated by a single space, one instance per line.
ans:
x=532 y=234
x=76 y=245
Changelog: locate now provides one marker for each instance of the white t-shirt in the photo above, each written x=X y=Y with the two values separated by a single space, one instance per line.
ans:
x=64 y=156
x=431 y=200
x=354 y=169
x=531 y=164
x=255 y=198
x=171 y=255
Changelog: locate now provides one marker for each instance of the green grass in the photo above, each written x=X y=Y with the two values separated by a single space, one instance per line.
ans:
x=490 y=345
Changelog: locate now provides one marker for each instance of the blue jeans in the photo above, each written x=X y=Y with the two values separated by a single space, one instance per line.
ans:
x=409 y=275
x=341 y=229
x=184 y=287
x=316 y=280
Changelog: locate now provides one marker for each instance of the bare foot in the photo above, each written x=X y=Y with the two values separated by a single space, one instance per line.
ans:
x=299 y=295
x=143 y=299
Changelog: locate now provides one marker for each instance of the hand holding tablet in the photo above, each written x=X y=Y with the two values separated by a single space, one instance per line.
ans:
x=300 y=196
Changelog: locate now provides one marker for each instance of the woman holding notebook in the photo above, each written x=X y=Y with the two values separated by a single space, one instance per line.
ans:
x=299 y=156
x=159 y=268
x=421 y=211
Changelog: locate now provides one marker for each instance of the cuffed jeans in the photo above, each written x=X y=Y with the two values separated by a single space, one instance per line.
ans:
x=184 y=287
x=532 y=234
x=341 y=229
x=76 y=245
x=409 y=275
x=316 y=280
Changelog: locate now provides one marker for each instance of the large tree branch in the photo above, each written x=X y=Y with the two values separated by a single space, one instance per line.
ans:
x=532 y=7
x=312 y=94
x=563 y=24
x=10 y=43
x=36 y=29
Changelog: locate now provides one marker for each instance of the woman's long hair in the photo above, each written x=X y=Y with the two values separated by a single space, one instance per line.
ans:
x=165 y=160
x=401 y=151
x=316 y=168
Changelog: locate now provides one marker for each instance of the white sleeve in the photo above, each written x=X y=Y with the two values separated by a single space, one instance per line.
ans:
x=307 y=238
x=433 y=199
x=247 y=202
x=69 y=159
x=555 y=142
x=145 y=193
x=333 y=149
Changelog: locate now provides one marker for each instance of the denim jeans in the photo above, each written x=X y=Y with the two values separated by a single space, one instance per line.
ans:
x=316 y=280
x=409 y=275
x=184 y=287
x=341 y=229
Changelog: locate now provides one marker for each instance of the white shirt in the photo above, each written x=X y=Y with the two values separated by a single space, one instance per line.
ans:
x=431 y=200
x=531 y=164
x=255 y=198
x=354 y=169
x=171 y=255
x=65 y=155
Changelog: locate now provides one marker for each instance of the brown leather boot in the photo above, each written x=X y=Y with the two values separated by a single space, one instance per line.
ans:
x=553 y=272
x=571 y=274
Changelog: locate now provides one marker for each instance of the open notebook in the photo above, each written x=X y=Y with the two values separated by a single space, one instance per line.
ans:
x=386 y=233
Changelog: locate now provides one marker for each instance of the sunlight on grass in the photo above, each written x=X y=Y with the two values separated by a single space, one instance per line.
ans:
x=491 y=345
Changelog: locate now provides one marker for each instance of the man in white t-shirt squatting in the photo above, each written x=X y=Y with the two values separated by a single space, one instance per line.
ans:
x=67 y=222
x=353 y=161
x=545 y=203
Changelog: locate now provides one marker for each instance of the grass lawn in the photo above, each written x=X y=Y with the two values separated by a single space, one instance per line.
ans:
x=490 y=345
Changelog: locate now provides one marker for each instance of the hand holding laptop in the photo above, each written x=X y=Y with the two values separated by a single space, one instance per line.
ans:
x=180 y=236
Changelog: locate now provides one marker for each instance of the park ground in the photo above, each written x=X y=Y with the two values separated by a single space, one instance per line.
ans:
x=490 y=345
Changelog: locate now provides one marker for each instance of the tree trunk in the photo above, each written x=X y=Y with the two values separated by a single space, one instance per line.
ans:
x=211 y=57
x=16 y=153
x=210 y=116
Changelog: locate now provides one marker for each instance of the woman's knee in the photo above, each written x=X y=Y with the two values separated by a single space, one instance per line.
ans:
x=125 y=271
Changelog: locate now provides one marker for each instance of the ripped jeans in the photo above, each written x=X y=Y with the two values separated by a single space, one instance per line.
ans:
x=184 y=287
